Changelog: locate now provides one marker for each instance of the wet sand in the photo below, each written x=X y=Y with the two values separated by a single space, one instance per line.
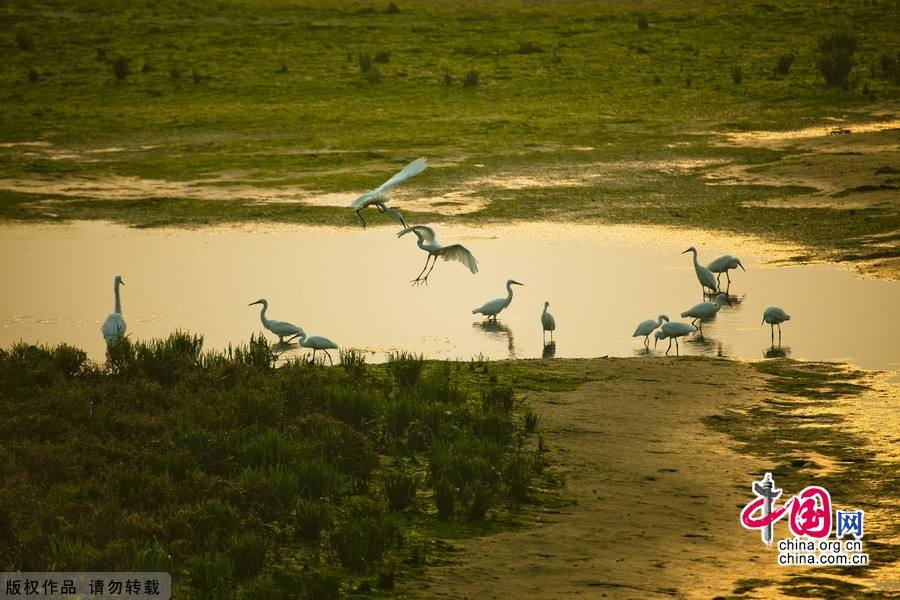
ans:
x=656 y=491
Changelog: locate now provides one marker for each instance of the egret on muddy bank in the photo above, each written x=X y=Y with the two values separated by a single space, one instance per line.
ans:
x=493 y=308
x=645 y=328
x=723 y=264
x=775 y=316
x=704 y=275
x=548 y=323
x=673 y=330
x=279 y=328
x=114 y=326
x=317 y=342
x=428 y=243
x=378 y=197
x=706 y=310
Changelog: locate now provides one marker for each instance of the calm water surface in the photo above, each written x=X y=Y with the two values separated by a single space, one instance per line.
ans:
x=352 y=285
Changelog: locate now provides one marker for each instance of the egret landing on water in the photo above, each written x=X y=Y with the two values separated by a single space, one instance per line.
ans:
x=493 y=308
x=114 y=326
x=706 y=310
x=645 y=328
x=723 y=264
x=673 y=331
x=317 y=342
x=548 y=323
x=429 y=244
x=279 y=328
x=378 y=197
x=704 y=275
x=775 y=316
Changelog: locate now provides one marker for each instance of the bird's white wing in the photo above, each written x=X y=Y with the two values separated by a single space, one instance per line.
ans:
x=396 y=214
x=368 y=199
x=410 y=170
x=114 y=327
x=425 y=233
x=459 y=253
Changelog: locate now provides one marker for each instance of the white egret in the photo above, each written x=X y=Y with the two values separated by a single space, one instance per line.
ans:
x=704 y=275
x=113 y=327
x=775 y=316
x=429 y=244
x=673 y=330
x=279 y=328
x=378 y=197
x=723 y=264
x=706 y=310
x=317 y=342
x=547 y=321
x=645 y=328
x=492 y=308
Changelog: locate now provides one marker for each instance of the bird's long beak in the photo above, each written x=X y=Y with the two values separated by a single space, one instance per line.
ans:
x=655 y=342
x=686 y=251
x=727 y=301
x=763 y=321
x=741 y=266
x=252 y=303
x=517 y=283
x=122 y=281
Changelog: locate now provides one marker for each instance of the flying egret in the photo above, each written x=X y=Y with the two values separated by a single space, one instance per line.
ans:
x=429 y=244
x=378 y=197
x=317 y=342
x=279 y=328
x=114 y=326
x=775 y=316
x=704 y=275
x=492 y=308
x=645 y=328
x=673 y=330
x=547 y=321
x=706 y=310
x=723 y=264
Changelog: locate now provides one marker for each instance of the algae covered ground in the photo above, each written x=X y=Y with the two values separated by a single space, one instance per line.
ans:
x=166 y=113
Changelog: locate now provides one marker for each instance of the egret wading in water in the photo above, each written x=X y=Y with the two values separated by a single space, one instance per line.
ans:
x=775 y=316
x=548 y=323
x=493 y=308
x=706 y=310
x=279 y=328
x=645 y=328
x=317 y=342
x=704 y=275
x=673 y=331
x=113 y=327
x=723 y=264
x=429 y=244
x=379 y=197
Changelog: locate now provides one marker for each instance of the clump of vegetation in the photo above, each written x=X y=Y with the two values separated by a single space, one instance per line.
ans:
x=471 y=79
x=228 y=472
x=392 y=9
x=737 y=74
x=890 y=67
x=529 y=47
x=365 y=62
x=24 y=40
x=120 y=68
x=835 y=61
x=643 y=22
x=382 y=56
x=783 y=66
x=448 y=78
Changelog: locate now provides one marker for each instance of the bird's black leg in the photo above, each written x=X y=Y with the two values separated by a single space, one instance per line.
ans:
x=419 y=278
x=329 y=357
x=670 y=347
x=728 y=275
x=361 y=218
x=677 y=349
x=434 y=262
x=718 y=278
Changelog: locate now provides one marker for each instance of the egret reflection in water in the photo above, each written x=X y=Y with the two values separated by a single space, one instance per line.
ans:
x=498 y=331
x=776 y=352
x=549 y=350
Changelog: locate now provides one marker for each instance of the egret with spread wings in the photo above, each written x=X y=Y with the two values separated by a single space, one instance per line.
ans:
x=379 y=196
x=429 y=244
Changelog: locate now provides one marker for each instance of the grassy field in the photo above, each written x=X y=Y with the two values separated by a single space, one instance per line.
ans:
x=165 y=113
x=247 y=481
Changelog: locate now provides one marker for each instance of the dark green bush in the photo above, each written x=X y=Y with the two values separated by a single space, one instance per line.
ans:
x=312 y=517
x=444 y=498
x=470 y=79
x=405 y=368
x=783 y=67
x=643 y=22
x=836 y=56
x=247 y=551
x=364 y=536
x=24 y=40
x=120 y=68
x=737 y=74
x=211 y=574
x=399 y=490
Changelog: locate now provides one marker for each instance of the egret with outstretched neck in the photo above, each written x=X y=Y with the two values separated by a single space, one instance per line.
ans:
x=704 y=275
x=428 y=243
x=317 y=342
x=378 y=197
x=279 y=328
x=114 y=326
x=673 y=330
x=706 y=310
x=645 y=328
x=775 y=316
x=548 y=323
x=493 y=308
x=723 y=264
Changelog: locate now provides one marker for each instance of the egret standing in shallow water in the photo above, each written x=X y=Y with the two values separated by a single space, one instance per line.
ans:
x=775 y=316
x=317 y=342
x=645 y=328
x=279 y=328
x=493 y=308
x=723 y=264
x=429 y=244
x=378 y=197
x=548 y=323
x=704 y=275
x=673 y=331
x=706 y=310
x=113 y=327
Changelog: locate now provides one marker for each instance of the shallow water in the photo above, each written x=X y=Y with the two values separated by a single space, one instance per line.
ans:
x=352 y=285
